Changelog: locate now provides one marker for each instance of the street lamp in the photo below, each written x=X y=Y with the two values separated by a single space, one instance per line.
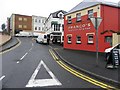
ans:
x=96 y=22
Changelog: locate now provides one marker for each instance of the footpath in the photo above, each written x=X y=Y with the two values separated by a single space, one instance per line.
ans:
x=86 y=63
x=7 y=42
x=4 y=39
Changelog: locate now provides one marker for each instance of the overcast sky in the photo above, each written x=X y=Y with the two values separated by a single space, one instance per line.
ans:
x=35 y=7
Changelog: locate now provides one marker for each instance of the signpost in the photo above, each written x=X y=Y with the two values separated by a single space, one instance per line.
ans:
x=96 y=22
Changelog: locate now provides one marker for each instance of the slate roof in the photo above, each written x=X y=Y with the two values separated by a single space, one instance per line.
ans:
x=55 y=13
x=88 y=3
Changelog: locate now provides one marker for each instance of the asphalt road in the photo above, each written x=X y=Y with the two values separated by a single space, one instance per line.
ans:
x=31 y=65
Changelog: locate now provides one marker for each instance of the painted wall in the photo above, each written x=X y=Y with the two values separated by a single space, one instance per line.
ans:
x=39 y=23
x=26 y=24
x=109 y=22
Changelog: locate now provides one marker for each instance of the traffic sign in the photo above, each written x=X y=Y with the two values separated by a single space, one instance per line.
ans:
x=96 y=21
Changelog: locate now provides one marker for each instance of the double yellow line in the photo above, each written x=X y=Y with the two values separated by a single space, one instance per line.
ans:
x=82 y=76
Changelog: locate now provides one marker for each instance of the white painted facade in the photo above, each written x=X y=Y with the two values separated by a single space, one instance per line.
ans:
x=12 y=24
x=54 y=19
x=38 y=23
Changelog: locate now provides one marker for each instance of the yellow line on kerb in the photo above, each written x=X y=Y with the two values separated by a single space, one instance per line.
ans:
x=78 y=74
x=12 y=47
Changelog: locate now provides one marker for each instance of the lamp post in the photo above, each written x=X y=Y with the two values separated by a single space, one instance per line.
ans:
x=96 y=22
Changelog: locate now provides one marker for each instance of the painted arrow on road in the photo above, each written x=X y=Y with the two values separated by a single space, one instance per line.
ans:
x=43 y=82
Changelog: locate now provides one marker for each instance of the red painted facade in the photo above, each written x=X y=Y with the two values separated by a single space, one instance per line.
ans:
x=109 y=25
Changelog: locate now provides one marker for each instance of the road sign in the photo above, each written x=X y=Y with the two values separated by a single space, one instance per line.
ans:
x=114 y=59
x=96 y=21
x=43 y=82
x=115 y=56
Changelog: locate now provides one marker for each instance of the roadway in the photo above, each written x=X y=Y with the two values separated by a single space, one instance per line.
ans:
x=30 y=64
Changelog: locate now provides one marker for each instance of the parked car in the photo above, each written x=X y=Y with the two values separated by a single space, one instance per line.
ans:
x=42 y=38
x=108 y=50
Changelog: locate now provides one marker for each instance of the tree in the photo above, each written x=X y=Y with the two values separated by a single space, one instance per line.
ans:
x=3 y=27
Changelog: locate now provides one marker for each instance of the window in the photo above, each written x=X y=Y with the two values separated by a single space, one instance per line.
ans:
x=39 y=28
x=63 y=27
x=25 y=26
x=45 y=36
x=42 y=28
x=90 y=13
x=63 y=38
x=20 y=18
x=57 y=27
x=19 y=26
x=90 y=39
x=108 y=39
x=35 y=20
x=78 y=39
x=69 y=40
x=78 y=17
x=60 y=16
x=25 y=19
x=39 y=21
x=69 y=19
x=35 y=28
x=42 y=21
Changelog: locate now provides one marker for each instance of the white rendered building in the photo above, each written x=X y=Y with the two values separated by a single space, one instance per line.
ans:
x=38 y=24
x=54 y=26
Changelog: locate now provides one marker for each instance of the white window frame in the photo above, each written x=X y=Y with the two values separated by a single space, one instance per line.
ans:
x=78 y=17
x=69 y=39
x=69 y=18
x=90 y=40
x=90 y=13
x=77 y=40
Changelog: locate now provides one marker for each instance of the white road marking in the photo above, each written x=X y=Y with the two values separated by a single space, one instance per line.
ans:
x=23 y=56
x=18 y=61
x=30 y=49
x=2 y=78
x=32 y=44
x=43 y=82
x=51 y=47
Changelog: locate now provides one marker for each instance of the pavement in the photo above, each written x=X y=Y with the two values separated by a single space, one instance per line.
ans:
x=86 y=63
x=9 y=44
x=4 y=39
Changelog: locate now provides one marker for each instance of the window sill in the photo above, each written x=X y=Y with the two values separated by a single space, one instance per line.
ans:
x=69 y=23
x=69 y=42
x=90 y=43
x=78 y=43
x=78 y=21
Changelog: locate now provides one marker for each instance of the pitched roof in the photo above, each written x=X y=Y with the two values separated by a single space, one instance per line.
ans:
x=88 y=3
x=54 y=14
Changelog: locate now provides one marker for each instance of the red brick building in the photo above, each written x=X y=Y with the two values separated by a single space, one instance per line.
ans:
x=80 y=34
x=19 y=23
